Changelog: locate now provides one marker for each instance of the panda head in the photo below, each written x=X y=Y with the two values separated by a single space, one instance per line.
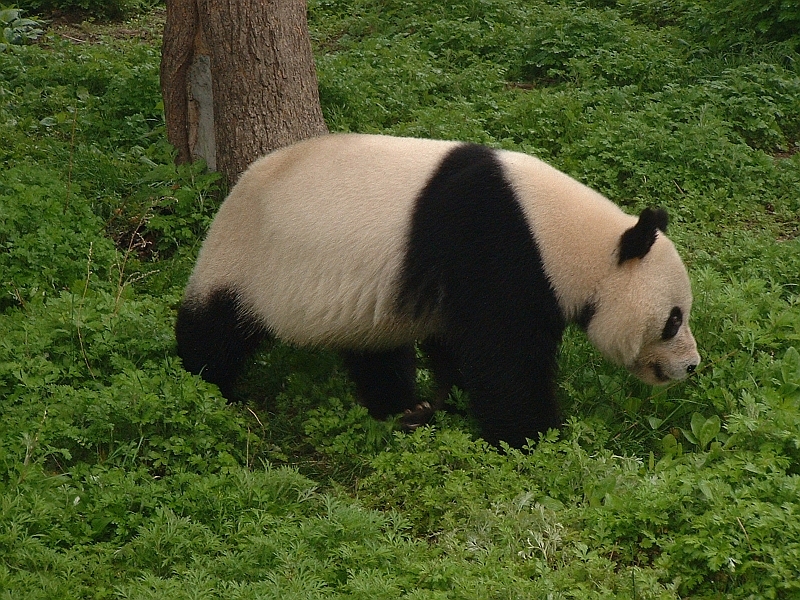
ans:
x=639 y=317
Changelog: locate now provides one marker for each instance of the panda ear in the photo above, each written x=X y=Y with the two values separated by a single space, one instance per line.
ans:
x=636 y=241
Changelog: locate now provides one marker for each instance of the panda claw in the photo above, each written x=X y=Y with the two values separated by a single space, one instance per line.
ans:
x=415 y=417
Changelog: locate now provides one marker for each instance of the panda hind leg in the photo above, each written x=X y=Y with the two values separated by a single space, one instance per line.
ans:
x=385 y=380
x=215 y=336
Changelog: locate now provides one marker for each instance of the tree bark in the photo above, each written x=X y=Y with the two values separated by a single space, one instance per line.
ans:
x=177 y=54
x=238 y=80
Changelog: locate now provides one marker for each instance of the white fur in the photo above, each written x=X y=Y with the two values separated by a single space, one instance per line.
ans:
x=313 y=238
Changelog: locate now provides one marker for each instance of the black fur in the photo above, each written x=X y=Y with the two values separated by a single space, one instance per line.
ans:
x=472 y=259
x=586 y=315
x=637 y=241
x=216 y=336
x=385 y=380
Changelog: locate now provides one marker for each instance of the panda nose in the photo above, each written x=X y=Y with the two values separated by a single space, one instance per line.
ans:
x=690 y=369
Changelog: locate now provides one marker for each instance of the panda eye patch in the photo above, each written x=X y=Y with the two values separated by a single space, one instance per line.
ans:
x=673 y=324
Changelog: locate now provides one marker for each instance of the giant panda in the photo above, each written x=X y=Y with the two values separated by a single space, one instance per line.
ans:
x=369 y=244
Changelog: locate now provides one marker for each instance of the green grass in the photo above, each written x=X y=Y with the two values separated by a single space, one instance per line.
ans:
x=122 y=476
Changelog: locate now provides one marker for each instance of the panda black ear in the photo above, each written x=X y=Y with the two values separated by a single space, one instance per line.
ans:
x=637 y=240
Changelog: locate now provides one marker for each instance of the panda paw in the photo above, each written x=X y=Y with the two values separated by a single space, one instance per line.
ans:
x=413 y=418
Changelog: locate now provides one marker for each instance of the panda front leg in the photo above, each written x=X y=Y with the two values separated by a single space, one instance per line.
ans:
x=443 y=365
x=511 y=386
x=385 y=380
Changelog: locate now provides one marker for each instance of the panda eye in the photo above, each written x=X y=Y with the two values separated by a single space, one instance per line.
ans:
x=673 y=324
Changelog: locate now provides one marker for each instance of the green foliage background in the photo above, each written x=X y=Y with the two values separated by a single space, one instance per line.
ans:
x=121 y=476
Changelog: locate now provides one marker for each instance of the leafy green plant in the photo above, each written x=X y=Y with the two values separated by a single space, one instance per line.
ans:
x=48 y=254
x=704 y=431
x=114 y=9
x=18 y=30
x=762 y=20
x=176 y=203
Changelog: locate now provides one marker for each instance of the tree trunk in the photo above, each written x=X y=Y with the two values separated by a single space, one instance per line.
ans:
x=238 y=80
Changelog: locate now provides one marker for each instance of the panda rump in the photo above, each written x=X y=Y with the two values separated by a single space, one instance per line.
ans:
x=369 y=244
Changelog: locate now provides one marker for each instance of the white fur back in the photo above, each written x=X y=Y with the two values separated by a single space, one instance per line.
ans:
x=313 y=237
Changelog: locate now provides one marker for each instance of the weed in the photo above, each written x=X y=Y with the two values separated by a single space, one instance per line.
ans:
x=17 y=29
